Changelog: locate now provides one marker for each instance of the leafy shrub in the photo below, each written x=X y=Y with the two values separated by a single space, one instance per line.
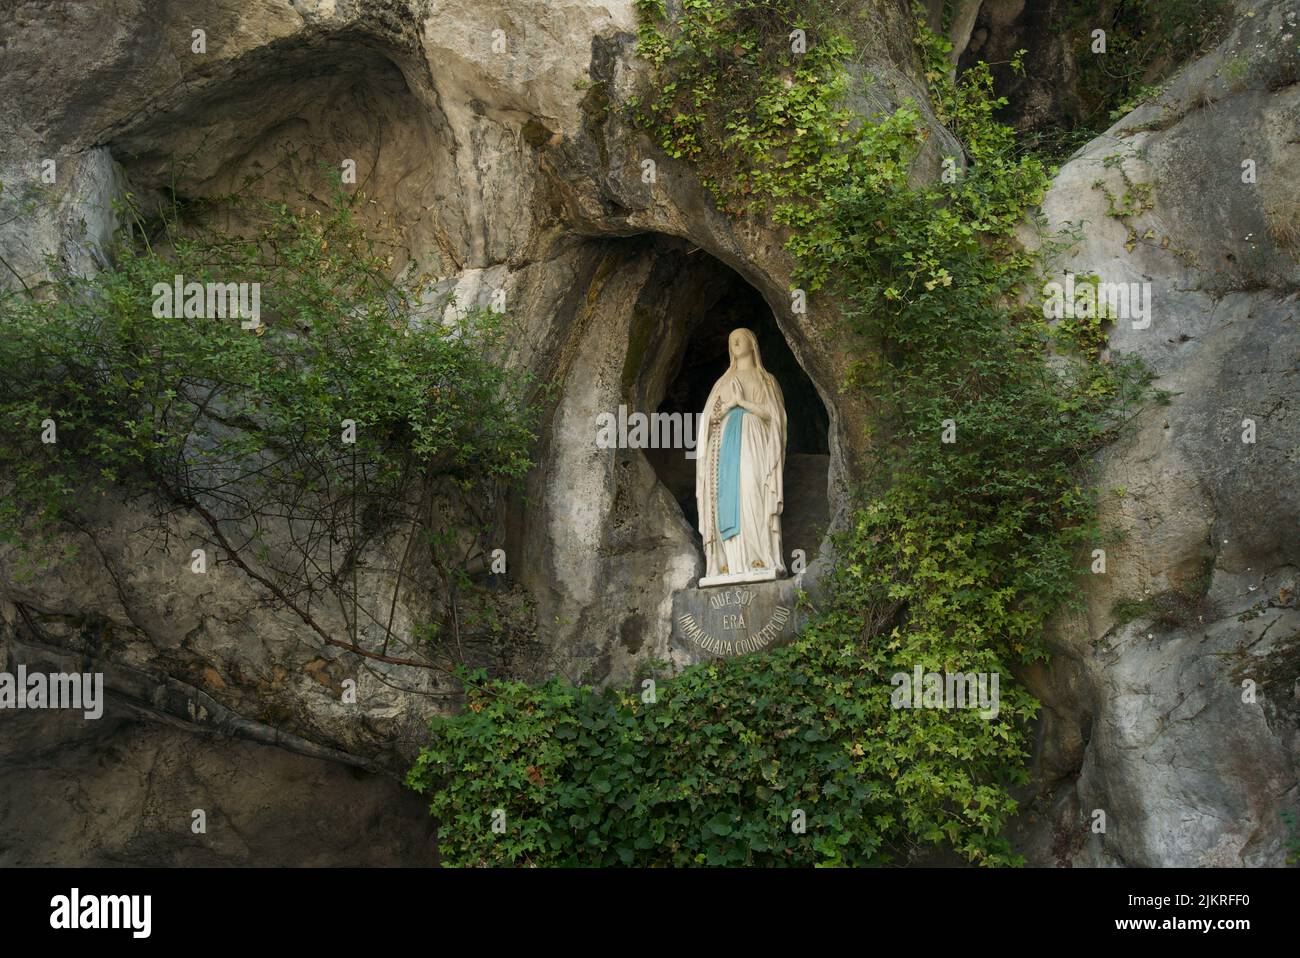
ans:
x=242 y=428
x=715 y=771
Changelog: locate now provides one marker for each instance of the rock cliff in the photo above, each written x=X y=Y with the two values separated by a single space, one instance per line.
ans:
x=491 y=143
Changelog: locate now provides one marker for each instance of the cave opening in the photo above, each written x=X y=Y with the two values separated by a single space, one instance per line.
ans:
x=723 y=303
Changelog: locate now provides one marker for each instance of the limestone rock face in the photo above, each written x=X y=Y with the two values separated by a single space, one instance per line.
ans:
x=491 y=140
x=121 y=792
x=1145 y=718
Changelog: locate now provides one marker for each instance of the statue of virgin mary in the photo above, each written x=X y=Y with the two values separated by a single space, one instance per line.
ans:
x=738 y=471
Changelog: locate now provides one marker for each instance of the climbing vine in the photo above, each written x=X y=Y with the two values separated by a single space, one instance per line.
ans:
x=956 y=556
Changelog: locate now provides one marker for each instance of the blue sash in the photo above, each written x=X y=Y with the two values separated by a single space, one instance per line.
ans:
x=729 y=476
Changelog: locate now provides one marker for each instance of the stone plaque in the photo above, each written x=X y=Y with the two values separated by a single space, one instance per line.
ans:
x=721 y=622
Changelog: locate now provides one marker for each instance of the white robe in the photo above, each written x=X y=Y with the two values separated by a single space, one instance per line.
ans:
x=762 y=495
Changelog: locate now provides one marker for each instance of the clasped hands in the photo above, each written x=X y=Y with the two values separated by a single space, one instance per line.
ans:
x=722 y=407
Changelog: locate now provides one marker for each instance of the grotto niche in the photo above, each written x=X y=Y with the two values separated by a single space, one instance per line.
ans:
x=732 y=303
x=719 y=616
x=606 y=535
